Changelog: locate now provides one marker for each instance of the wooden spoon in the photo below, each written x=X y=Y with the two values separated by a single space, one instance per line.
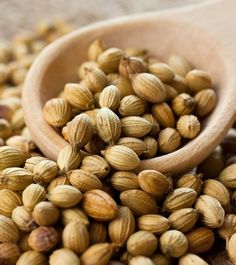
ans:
x=204 y=33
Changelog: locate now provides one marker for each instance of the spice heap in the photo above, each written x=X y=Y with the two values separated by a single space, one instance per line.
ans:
x=95 y=210
x=125 y=97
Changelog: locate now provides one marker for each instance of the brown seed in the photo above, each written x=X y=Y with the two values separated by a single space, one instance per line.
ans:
x=108 y=125
x=110 y=97
x=179 y=64
x=148 y=87
x=75 y=237
x=160 y=259
x=191 y=259
x=154 y=183
x=63 y=256
x=79 y=96
x=9 y=201
x=11 y=157
x=179 y=198
x=162 y=71
x=169 y=140
x=131 y=65
x=65 y=196
x=171 y=92
x=95 y=145
x=74 y=215
x=23 y=219
x=124 y=86
x=32 y=195
x=205 y=102
x=95 y=164
x=9 y=253
x=229 y=227
x=84 y=67
x=198 y=80
x=217 y=190
x=8 y=230
x=153 y=223
x=109 y=60
x=132 y=106
x=188 y=126
x=43 y=239
x=140 y=260
x=179 y=84
x=15 y=178
x=200 y=240
x=164 y=114
x=94 y=201
x=124 y=180
x=139 y=202
x=80 y=130
x=97 y=232
x=5 y=127
x=121 y=157
x=137 y=145
x=135 y=51
x=45 y=171
x=173 y=243
x=84 y=180
x=122 y=227
x=152 y=147
x=95 y=49
x=228 y=176
x=135 y=126
x=183 y=219
x=142 y=243
x=231 y=248
x=61 y=180
x=183 y=104
x=211 y=211
x=45 y=214
x=155 y=125
x=69 y=158
x=57 y=112
x=32 y=257
x=190 y=180
x=31 y=162
x=95 y=79
x=98 y=254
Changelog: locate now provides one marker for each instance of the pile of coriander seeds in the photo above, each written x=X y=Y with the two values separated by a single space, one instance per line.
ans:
x=133 y=100
x=95 y=209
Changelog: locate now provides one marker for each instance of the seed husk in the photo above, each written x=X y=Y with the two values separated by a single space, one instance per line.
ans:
x=190 y=180
x=80 y=130
x=45 y=171
x=95 y=49
x=183 y=104
x=132 y=106
x=9 y=201
x=164 y=114
x=162 y=71
x=152 y=147
x=205 y=102
x=211 y=212
x=121 y=157
x=124 y=180
x=183 y=219
x=155 y=125
x=63 y=256
x=228 y=176
x=98 y=254
x=110 y=98
x=57 y=112
x=198 y=80
x=65 y=196
x=32 y=257
x=154 y=183
x=97 y=232
x=200 y=240
x=74 y=214
x=95 y=200
x=173 y=243
x=153 y=223
x=148 y=87
x=135 y=126
x=169 y=140
x=137 y=145
x=191 y=259
x=83 y=180
x=108 y=125
x=142 y=243
x=131 y=65
x=139 y=202
x=8 y=230
x=231 y=248
x=9 y=253
x=45 y=214
x=179 y=64
x=140 y=260
x=188 y=126
x=75 y=237
x=95 y=79
x=179 y=198
x=228 y=228
x=122 y=227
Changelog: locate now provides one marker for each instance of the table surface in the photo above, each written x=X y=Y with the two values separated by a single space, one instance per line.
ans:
x=18 y=15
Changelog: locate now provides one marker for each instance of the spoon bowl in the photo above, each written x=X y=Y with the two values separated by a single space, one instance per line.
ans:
x=185 y=31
